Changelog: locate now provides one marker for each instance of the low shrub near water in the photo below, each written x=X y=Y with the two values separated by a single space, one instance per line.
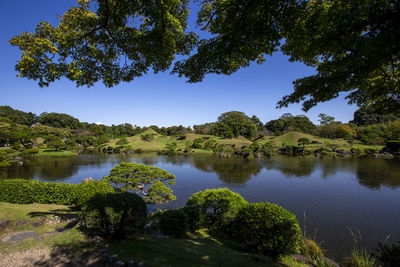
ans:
x=218 y=207
x=174 y=223
x=267 y=229
x=114 y=215
x=310 y=249
x=389 y=256
x=21 y=191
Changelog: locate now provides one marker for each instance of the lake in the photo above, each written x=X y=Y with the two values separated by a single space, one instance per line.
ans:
x=330 y=197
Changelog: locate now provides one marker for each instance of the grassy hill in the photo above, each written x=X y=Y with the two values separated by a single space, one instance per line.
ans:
x=159 y=142
x=291 y=138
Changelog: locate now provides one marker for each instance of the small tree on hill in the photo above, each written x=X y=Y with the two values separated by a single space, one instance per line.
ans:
x=304 y=141
x=145 y=180
x=54 y=142
x=147 y=137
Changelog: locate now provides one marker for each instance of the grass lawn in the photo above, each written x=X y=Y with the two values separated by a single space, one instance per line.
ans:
x=197 y=249
x=52 y=153
x=14 y=212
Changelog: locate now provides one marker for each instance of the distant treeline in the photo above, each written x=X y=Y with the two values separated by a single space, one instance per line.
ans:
x=20 y=129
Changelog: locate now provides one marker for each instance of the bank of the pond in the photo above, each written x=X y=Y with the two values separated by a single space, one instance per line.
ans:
x=32 y=238
x=335 y=194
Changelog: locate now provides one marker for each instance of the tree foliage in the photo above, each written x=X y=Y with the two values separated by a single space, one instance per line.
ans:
x=58 y=120
x=367 y=115
x=218 y=207
x=287 y=123
x=17 y=116
x=147 y=180
x=233 y=124
x=353 y=45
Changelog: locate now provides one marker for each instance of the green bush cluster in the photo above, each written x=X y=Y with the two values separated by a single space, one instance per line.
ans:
x=267 y=229
x=264 y=228
x=174 y=223
x=217 y=207
x=23 y=191
x=114 y=215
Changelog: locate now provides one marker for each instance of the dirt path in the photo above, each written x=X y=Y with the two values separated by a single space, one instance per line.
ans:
x=45 y=257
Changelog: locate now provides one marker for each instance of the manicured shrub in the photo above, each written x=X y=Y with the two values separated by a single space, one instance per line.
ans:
x=267 y=229
x=114 y=215
x=195 y=220
x=87 y=190
x=389 y=256
x=23 y=191
x=217 y=206
x=174 y=223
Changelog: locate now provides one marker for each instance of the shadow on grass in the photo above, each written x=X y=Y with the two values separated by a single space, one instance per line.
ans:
x=197 y=249
x=69 y=212
x=74 y=254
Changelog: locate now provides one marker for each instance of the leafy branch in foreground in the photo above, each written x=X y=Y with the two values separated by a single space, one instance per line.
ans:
x=353 y=45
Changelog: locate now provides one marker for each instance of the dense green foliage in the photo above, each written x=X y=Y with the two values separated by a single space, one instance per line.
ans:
x=367 y=115
x=388 y=256
x=217 y=207
x=194 y=216
x=353 y=45
x=22 y=191
x=233 y=124
x=287 y=123
x=174 y=223
x=3 y=160
x=114 y=215
x=58 y=120
x=267 y=229
x=17 y=116
x=147 y=180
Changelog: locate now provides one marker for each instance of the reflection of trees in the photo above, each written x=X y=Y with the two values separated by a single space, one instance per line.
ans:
x=49 y=169
x=330 y=166
x=231 y=171
x=175 y=160
x=148 y=160
x=375 y=173
x=292 y=166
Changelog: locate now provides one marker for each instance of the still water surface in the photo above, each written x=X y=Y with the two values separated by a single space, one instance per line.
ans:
x=330 y=197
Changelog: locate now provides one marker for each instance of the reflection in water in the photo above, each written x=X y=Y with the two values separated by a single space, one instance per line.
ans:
x=292 y=166
x=374 y=173
x=231 y=171
x=48 y=169
x=334 y=193
x=370 y=172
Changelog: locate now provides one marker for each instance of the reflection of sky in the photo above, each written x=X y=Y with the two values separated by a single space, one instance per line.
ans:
x=334 y=194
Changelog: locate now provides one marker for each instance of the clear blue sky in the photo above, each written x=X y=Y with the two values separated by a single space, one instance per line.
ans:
x=160 y=99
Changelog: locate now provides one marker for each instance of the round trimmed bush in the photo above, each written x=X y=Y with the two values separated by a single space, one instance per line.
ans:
x=114 y=215
x=174 y=223
x=267 y=229
x=218 y=207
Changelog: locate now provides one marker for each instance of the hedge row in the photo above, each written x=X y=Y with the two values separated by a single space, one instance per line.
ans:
x=23 y=191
